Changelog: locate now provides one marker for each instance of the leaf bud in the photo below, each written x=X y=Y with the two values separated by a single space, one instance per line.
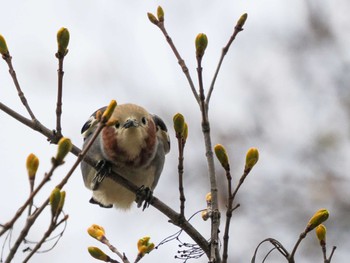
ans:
x=144 y=246
x=201 y=44
x=222 y=156
x=321 y=233
x=96 y=232
x=3 y=46
x=318 y=218
x=251 y=159
x=160 y=14
x=64 y=147
x=152 y=18
x=62 y=41
x=97 y=253
x=32 y=165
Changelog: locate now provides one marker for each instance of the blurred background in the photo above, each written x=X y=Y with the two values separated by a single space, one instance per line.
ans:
x=283 y=88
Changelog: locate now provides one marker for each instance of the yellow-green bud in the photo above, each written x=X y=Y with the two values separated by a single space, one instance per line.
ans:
x=96 y=232
x=160 y=14
x=251 y=159
x=109 y=111
x=318 y=218
x=205 y=215
x=185 y=132
x=201 y=44
x=61 y=203
x=97 y=253
x=222 y=156
x=62 y=41
x=152 y=18
x=144 y=246
x=321 y=233
x=55 y=199
x=241 y=20
x=32 y=165
x=64 y=147
x=179 y=124
x=3 y=46
x=208 y=198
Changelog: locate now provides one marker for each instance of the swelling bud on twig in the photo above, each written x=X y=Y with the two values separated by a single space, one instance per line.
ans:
x=64 y=147
x=318 y=218
x=55 y=199
x=179 y=124
x=321 y=233
x=97 y=253
x=222 y=156
x=160 y=14
x=96 y=232
x=152 y=18
x=144 y=246
x=201 y=44
x=62 y=41
x=32 y=165
x=241 y=21
x=109 y=111
x=61 y=203
x=205 y=215
x=251 y=159
x=3 y=46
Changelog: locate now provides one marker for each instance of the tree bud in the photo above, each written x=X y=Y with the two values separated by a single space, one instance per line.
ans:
x=222 y=156
x=32 y=165
x=97 y=253
x=64 y=147
x=96 y=232
x=160 y=14
x=318 y=218
x=152 y=18
x=3 y=46
x=251 y=159
x=62 y=41
x=201 y=44
x=144 y=246
x=321 y=233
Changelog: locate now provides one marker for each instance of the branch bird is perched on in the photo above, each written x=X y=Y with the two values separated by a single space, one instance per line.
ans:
x=135 y=148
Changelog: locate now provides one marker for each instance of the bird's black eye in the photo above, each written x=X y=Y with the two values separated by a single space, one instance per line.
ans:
x=117 y=125
x=143 y=120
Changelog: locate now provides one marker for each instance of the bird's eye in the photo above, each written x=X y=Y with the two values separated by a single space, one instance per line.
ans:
x=117 y=125
x=143 y=120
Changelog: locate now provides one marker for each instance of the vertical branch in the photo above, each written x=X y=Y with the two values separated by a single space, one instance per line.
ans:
x=181 y=171
x=215 y=219
x=59 y=95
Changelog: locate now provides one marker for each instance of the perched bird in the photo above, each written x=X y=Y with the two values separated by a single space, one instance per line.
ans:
x=135 y=148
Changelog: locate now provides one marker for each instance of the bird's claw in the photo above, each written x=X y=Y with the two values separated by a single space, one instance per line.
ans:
x=144 y=196
x=103 y=168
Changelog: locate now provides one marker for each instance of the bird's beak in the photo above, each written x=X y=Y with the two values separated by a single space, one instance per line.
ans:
x=130 y=123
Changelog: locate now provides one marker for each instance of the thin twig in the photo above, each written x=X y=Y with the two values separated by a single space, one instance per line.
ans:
x=8 y=59
x=228 y=214
x=179 y=59
x=115 y=250
x=19 y=212
x=48 y=233
x=224 y=51
x=180 y=167
x=60 y=73
x=301 y=237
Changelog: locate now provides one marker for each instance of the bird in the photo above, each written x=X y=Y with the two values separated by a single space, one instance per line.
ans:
x=134 y=148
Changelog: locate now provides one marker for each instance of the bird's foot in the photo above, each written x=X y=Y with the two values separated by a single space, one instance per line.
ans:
x=144 y=196
x=103 y=168
x=95 y=202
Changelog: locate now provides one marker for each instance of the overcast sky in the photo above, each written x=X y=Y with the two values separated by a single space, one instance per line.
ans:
x=284 y=88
